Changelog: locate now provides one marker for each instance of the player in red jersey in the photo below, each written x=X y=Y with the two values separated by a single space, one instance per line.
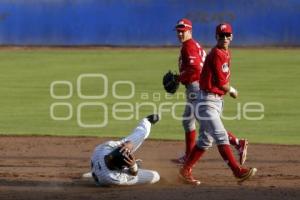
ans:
x=214 y=84
x=190 y=63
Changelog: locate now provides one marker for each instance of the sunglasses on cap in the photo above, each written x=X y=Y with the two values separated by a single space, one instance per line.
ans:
x=183 y=26
x=223 y=35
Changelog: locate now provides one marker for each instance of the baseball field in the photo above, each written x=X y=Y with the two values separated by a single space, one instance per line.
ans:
x=58 y=103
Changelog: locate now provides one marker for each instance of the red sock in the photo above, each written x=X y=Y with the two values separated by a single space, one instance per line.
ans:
x=194 y=156
x=190 y=141
x=234 y=141
x=228 y=157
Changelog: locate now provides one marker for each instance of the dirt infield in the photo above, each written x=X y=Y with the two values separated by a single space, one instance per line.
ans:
x=51 y=168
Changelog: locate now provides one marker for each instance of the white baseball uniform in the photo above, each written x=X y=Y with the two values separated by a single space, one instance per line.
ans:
x=104 y=176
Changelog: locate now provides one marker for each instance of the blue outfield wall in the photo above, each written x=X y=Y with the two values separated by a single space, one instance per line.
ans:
x=146 y=22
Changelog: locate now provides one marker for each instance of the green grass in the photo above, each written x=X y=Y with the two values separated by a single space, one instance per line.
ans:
x=268 y=76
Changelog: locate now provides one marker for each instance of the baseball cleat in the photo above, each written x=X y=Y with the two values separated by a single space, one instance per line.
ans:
x=153 y=119
x=243 y=145
x=179 y=161
x=186 y=176
x=246 y=174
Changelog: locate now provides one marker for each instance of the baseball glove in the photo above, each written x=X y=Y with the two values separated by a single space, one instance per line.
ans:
x=170 y=82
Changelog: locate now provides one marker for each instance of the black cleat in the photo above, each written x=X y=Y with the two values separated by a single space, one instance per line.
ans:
x=153 y=118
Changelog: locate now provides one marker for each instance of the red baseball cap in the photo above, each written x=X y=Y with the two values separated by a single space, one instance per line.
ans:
x=223 y=28
x=183 y=25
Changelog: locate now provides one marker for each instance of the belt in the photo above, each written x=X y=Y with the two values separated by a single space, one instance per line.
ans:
x=210 y=95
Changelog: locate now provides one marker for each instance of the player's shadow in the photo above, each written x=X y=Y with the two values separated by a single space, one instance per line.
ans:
x=46 y=184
